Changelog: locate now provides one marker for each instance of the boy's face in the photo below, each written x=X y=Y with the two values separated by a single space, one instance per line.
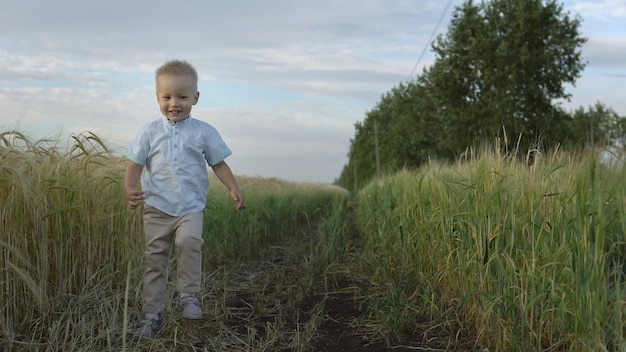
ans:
x=176 y=95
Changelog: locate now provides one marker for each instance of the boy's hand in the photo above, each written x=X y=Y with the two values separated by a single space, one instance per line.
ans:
x=134 y=198
x=224 y=174
x=131 y=178
x=238 y=197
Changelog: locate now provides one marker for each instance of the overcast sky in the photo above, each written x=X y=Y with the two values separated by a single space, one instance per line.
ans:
x=283 y=81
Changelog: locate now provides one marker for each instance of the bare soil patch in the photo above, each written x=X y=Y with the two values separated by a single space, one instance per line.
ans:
x=339 y=331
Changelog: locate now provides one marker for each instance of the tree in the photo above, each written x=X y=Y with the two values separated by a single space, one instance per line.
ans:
x=406 y=131
x=599 y=126
x=503 y=65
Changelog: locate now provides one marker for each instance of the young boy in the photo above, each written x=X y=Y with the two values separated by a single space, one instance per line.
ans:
x=170 y=156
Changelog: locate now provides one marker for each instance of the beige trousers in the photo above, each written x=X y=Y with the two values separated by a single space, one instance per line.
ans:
x=160 y=229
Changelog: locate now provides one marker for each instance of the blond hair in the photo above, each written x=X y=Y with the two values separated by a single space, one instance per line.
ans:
x=178 y=68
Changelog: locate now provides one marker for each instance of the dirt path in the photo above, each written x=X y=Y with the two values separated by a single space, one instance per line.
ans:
x=338 y=331
x=279 y=295
x=286 y=301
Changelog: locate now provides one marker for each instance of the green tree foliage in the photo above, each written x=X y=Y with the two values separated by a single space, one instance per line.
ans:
x=502 y=67
x=599 y=125
x=406 y=131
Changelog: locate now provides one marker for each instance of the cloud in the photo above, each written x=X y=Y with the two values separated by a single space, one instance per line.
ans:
x=606 y=53
x=606 y=10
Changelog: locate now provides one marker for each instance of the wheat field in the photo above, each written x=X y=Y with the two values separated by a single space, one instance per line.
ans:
x=526 y=253
x=495 y=251
x=71 y=254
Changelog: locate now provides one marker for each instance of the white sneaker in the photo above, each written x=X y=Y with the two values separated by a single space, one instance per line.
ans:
x=151 y=325
x=190 y=305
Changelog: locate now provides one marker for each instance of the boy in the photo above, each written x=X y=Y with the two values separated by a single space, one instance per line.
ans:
x=170 y=155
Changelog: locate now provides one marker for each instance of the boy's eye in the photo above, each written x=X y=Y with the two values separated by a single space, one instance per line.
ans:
x=183 y=97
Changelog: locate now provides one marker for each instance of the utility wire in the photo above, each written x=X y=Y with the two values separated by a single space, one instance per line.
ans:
x=443 y=14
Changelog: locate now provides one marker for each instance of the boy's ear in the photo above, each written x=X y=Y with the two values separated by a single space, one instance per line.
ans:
x=195 y=98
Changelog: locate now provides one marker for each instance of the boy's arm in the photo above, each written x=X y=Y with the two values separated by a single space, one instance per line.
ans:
x=225 y=175
x=131 y=179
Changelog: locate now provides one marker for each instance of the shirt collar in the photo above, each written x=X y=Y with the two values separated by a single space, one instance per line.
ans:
x=167 y=122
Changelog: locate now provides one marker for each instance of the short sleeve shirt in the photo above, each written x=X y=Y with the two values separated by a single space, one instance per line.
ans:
x=175 y=155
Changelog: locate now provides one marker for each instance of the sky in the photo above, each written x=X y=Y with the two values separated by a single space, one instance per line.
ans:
x=283 y=81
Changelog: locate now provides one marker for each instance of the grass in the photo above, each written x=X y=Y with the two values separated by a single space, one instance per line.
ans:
x=70 y=256
x=529 y=256
x=505 y=253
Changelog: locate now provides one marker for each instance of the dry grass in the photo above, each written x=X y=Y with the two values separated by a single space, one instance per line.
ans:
x=70 y=257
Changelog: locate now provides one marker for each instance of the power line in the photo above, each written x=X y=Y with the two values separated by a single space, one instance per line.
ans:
x=443 y=14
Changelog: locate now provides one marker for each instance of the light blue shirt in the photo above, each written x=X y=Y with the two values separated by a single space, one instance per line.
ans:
x=175 y=177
